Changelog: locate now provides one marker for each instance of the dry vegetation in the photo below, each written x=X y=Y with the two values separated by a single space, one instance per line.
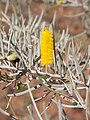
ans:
x=27 y=90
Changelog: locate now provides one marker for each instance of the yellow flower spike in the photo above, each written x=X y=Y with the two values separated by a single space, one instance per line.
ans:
x=46 y=47
x=59 y=2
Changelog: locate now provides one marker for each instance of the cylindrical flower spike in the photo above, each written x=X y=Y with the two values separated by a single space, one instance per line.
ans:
x=46 y=47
